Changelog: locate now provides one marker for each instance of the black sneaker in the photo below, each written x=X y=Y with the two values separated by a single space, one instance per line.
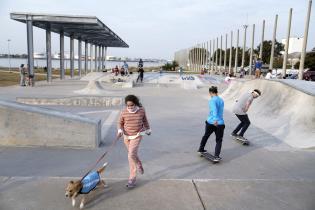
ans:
x=201 y=151
x=217 y=159
x=242 y=138
x=234 y=135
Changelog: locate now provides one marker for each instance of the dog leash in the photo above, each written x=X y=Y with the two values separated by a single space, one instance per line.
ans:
x=103 y=155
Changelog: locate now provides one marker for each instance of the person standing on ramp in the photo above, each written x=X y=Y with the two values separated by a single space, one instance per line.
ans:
x=240 y=110
x=214 y=123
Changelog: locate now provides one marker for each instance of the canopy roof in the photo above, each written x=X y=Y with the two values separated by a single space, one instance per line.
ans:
x=86 y=28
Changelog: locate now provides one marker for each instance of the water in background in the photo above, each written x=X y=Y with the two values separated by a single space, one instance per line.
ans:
x=16 y=62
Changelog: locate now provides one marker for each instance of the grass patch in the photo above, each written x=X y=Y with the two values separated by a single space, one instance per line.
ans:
x=13 y=78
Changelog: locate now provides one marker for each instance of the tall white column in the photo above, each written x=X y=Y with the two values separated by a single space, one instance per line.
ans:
x=273 y=43
x=303 y=54
x=79 y=56
x=287 y=44
x=62 y=55
x=236 y=51
x=216 y=55
x=220 y=62
x=244 y=45
x=230 y=58
x=226 y=42
x=262 y=40
x=71 y=56
x=48 y=54
x=251 y=51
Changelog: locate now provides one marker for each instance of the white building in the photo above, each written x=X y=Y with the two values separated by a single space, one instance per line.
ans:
x=295 y=44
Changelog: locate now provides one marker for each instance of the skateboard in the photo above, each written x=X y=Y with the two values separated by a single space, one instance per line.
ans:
x=208 y=156
x=242 y=141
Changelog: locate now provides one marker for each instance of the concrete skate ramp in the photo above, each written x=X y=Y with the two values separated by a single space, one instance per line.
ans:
x=282 y=111
x=25 y=125
x=93 y=88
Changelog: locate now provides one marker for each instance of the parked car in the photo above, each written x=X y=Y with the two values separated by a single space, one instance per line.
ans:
x=309 y=74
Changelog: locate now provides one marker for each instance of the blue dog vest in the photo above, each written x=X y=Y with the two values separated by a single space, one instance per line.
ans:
x=89 y=182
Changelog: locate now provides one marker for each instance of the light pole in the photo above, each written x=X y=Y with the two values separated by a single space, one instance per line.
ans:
x=244 y=45
x=9 y=55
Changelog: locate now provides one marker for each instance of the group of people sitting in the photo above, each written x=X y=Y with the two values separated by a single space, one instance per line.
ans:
x=123 y=71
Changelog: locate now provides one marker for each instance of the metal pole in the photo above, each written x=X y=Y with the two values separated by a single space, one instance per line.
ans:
x=79 y=56
x=9 y=55
x=220 y=62
x=99 y=57
x=105 y=58
x=226 y=42
x=48 y=53
x=285 y=56
x=189 y=59
x=205 y=50
x=86 y=52
x=273 y=43
x=236 y=51
x=30 y=46
x=62 y=55
x=194 y=58
x=303 y=54
x=210 y=55
x=102 y=57
x=216 y=55
x=213 y=51
x=71 y=56
x=91 y=56
x=95 y=58
x=230 y=58
x=199 y=57
x=251 y=51
x=244 y=45
x=262 y=41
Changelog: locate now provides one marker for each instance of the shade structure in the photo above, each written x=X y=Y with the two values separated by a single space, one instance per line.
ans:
x=88 y=28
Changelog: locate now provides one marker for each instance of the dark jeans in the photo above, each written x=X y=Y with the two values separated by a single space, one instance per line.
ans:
x=244 y=124
x=140 y=77
x=219 y=132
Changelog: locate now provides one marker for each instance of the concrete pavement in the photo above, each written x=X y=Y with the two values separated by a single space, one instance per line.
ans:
x=269 y=174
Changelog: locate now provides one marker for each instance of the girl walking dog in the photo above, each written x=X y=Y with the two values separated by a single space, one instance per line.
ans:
x=132 y=125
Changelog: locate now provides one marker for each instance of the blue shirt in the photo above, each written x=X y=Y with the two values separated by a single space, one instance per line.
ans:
x=216 y=106
x=258 y=64
x=89 y=182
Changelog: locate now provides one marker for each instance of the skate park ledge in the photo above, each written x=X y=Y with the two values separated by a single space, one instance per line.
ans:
x=25 y=125
x=95 y=101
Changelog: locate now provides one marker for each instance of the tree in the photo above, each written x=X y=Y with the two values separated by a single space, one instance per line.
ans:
x=266 y=52
x=170 y=66
x=309 y=61
x=174 y=65
x=239 y=57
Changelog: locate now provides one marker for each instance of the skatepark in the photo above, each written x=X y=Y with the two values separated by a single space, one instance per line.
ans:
x=67 y=125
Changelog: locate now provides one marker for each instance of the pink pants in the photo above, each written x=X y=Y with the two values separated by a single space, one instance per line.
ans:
x=134 y=161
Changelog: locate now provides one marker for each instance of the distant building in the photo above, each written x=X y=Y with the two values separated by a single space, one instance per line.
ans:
x=295 y=44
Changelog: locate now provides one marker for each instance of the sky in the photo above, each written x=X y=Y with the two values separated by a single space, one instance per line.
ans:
x=158 y=28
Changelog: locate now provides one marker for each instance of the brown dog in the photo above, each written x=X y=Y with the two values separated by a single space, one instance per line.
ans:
x=84 y=186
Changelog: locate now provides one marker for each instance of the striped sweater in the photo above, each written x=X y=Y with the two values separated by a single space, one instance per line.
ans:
x=133 y=123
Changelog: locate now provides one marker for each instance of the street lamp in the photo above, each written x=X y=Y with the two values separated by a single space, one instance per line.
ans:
x=244 y=45
x=9 y=55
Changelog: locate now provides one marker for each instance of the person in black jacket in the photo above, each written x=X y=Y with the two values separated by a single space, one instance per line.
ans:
x=140 y=70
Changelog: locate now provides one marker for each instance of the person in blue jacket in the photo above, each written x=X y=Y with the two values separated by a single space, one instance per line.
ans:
x=214 y=123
